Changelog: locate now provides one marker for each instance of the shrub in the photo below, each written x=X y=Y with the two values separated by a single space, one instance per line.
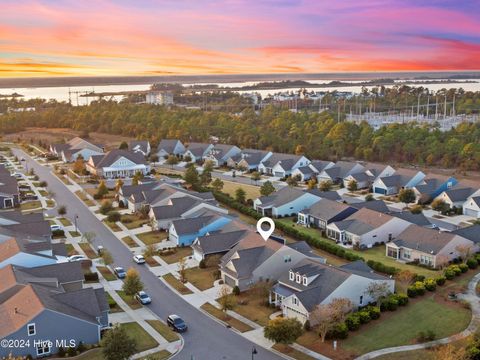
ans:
x=381 y=267
x=91 y=276
x=58 y=233
x=71 y=351
x=425 y=336
x=463 y=267
x=449 y=274
x=43 y=184
x=402 y=299
x=419 y=278
x=81 y=347
x=390 y=304
x=374 y=312
x=364 y=316
x=106 y=207
x=456 y=269
x=236 y=290
x=61 y=352
x=430 y=284
x=114 y=216
x=307 y=326
x=353 y=322
x=340 y=331
x=201 y=264
x=440 y=280
x=472 y=263
x=419 y=287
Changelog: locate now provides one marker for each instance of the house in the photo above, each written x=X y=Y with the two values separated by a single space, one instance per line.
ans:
x=401 y=179
x=198 y=151
x=366 y=228
x=432 y=187
x=287 y=201
x=417 y=219
x=320 y=165
x=220 y=154
x=76 y=147
x=183 y=232
x=456 y=196
x=337 y=173
x=323 y=212
x=471 y=233
x=282 y=165
x=427 y=246
x=140 y=146
x=254 y=259
x=170 y=147
x=331 y=195
x=366 y=178
x=471 y=207
x=311 y=283
x=179 y=208
x=20 y=251
x=38 y=306
x=248 y=159
x=375 y=205
x=118 y=164
x=9 y=192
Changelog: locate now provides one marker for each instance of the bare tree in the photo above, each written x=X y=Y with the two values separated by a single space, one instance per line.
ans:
x=378 y=291
x=226 y=299
x=404 y=278
x=464 y=251
x=450 y=352
x=88 y=236
x=182 y=270
x=326 y=316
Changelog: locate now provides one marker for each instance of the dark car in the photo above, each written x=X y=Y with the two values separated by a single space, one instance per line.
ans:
x=176 y=323
x=120 y=272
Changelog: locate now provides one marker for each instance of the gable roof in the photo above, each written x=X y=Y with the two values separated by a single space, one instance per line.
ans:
x=219 y=241
x=459 y=193
x=252 y=156
x=331 y=195
x=139 y=145
x=325 y=209
x=340 y=169
x=320 y=165
x=471 y=233
x=286 y=159
x=109 y=158
x=168 y=145
x=8 y=183
x=423 y=239
x=220 y=150
x=376 y=205
x=194 y=224
x=198 y=149
x=281 y=197
x=400 y=178
x=175 y=209
x=417 y=219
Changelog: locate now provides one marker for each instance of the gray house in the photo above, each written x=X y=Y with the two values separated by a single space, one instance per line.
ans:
x=323 y=212
x=140 y=146
x=170 y=147
x=36 y=307
x=9 y=192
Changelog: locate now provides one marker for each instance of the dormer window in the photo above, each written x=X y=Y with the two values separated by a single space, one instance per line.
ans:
x=305 y=280
x=299 y=279
x=291 y=276
x=31 y=329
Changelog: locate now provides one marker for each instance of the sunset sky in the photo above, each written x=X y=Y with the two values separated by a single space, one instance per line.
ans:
x=158 y=37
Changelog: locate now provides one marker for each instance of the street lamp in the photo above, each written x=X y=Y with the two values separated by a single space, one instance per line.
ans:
x=76 y=217
x=254 y=352
x=25 y=165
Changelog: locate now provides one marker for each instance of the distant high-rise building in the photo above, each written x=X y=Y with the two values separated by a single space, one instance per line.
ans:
x=159 y=98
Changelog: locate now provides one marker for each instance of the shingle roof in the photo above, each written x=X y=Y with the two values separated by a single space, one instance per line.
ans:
x=417 y=219
x=193 y=225
x=253 y=157
x=177 y=207
x=285 y=158
x=331 y=195
x=325 y=209
x=376 y=205
x=8 y=184
x=425 y=240
x=113 y=155
x=281 y=197
x=459 y=193
x=168 y=145
x=471 y=233
x=138 y=145
x=219 y=242
x=320 y=165
x=64 y=272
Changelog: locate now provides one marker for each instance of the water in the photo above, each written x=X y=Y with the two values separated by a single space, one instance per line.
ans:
x=62 y=93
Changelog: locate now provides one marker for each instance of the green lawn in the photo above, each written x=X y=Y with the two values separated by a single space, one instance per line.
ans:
x=160 y=355
x=174 y=255
x=65 y=222
x=106 y=273
x=95 y=354
x=132 y=221
x=293 y=353
x=70 y=249
x=151 y=261
x=219 y=314
x=423 y=354
x=134 y=304
x=43 y=192
x=142 y=338
x=252 y=191
x=403 y=326
x=252 y=306
x=177 y=284
x=74 y=233
x=31 y=205
x=129 y=241
x=114 y=308
x=163 y=330
x=87 y=249
x=202 y=279
x=114 y=227
x=152 y=237
x=50 y=203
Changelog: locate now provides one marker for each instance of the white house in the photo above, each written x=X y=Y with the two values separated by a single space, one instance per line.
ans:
x=118 y=164
x=282 y=165
x=198 y=151
x=401 y=179
x=170 y=147
x=471 y=207
x=457 y=195
x=339 y=171
x=76 y=147
x=220 y=154
x=249 y=159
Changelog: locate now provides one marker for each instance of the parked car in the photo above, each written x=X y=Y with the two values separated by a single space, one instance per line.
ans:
x=99 y=249
x=143 y=298
x=176 y=323
x=77 y=258
x=55 y=227
x=139 y=259
x=120 y=272
x=18 y=175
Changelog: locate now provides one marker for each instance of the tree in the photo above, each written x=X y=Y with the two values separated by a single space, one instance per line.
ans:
x=191 y=176
x=226 y=299
x=325 y=185
x=117 y=345
x=105 y=207
x=451 y=352
x=123 y=145
x=464 y=251
x=154 y=158
x=79 y=166
x=378 y=291
x=352 y=185
x=240 y=195
x=267 y=188
x=172 y=160
x=118 y=185
x=256 y=176
x=107 y=257
x=137 y=177
x=182 y=270
x=299 y=150
x=217 y=184
x=406 y=196
x=132 y=283
x=283 y=330
x=102 y=190
x=88 y=236
x=292 y=181
x=206 y=176
x=369 y=197
x=149 y=251
x=327 y=316
x=62 y=210
x=404 y=278
x=187 y=158
x=312 y=183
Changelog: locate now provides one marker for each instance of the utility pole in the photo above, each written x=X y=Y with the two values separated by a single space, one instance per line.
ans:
x=436 y=107
x=418 y=106
x=445 y=108
x=428 y=104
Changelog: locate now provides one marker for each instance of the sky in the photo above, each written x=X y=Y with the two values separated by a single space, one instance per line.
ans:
x=163 y=37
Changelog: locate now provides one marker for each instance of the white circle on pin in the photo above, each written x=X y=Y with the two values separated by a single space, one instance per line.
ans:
x=265 y=234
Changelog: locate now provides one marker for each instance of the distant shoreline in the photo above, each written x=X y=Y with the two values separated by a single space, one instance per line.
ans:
x=139 y=80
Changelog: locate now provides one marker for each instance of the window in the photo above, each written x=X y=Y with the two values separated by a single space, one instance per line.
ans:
x=43 y=349
x=305 y=280
x=361 y=300
x=294 y=300
x=299 y=279
x=31 y=329
x=390 y=237
x=287 y=258
x=407 y=254
x=292 y=276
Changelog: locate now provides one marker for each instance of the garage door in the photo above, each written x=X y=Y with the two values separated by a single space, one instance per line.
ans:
x=230 y=281
x=472 y=213
x=379 y=191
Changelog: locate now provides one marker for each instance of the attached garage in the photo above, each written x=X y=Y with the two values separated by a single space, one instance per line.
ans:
x=471 y=212
x=380 y=191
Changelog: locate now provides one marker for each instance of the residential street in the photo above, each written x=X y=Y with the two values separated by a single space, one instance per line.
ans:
x=206 y=339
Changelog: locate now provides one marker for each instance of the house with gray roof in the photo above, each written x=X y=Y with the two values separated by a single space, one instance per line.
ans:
x=249 y=159
x=433 y=186
x=220 y=153
x=170 y=147
x=282 y=165
x=38 y=305
x=323 y=212
x=140 y=146
x=376 y=205
x=428 y=247
x=417 y=219
x=75 y=148
x=287 y=201
x=9 y=192
x=471 y=207
x=457 y=195
x=331 y=195
x=471 y=233
x=118 y=164
x=401 y=179
x=365 y=179
x=310 y=283
x=198 y=151
x=337 y=173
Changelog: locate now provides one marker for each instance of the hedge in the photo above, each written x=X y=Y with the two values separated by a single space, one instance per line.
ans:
x=353 y=321
x=472 y=263
x=340 y=331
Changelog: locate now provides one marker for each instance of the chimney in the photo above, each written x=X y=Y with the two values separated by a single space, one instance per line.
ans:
x=15 y=310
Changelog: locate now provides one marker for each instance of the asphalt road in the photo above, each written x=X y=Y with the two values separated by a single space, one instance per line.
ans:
x=206 y=339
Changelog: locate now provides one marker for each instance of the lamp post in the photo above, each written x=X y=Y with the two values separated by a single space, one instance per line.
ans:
x=76 y=217
x=254 y=352
x=25 y=165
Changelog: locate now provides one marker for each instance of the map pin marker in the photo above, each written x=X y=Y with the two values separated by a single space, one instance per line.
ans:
x=265 y=234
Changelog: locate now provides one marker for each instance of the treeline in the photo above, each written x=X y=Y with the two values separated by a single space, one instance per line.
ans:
x=319 y=136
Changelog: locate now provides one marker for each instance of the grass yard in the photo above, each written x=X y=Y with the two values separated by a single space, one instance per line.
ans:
x=30 y=205
x=129 y=241
x=84 y=198
x=152 y=237
x=94 y=354
x=176 y=284
x=142 y=338
x=159 y=355
x=151 y=261
x=65 y=222
x=43 y=192
x=293 y=353
x=114 y=308
x=70 y=249
x=134 y=304
x=423 y=354
x=219 y=314
x=132 y=221
x=252 y=191
x=74 y=233
x=114 y=227
x=252 y=306
x=163 y=330
x=177 y=254
x=106 y=273
x=87 y=249
x=403 y=325
x=50 y=203
x=202 y=279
